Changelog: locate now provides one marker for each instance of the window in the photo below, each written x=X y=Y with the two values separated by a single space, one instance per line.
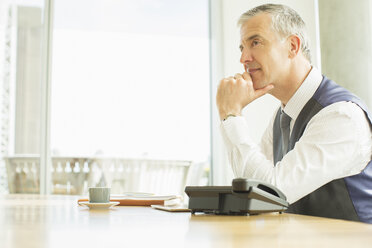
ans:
x=129 y=94
x=131 y=78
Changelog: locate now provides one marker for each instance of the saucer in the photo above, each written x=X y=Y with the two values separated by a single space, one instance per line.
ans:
x=99 y=205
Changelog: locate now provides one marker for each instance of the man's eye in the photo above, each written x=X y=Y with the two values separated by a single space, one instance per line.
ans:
x=255 y=43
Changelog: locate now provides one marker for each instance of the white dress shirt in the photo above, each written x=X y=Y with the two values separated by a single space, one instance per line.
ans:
x=336 y=143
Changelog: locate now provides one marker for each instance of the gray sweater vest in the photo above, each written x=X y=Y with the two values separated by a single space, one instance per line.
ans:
x=348 y=198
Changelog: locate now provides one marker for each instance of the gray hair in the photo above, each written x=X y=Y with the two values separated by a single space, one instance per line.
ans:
x=284 y=20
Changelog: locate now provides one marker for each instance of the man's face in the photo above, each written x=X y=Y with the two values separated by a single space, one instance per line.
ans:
x=264 y=53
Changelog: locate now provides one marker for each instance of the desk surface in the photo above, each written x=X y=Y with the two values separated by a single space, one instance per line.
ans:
x=57 y=221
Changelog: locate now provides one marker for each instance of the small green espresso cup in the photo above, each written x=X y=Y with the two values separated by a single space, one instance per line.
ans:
x=99 y=195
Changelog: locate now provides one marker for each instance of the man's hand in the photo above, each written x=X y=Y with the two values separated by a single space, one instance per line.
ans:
x=234 y=93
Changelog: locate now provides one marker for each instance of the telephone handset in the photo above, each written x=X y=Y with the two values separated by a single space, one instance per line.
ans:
x=243 y=187
x=245 y=196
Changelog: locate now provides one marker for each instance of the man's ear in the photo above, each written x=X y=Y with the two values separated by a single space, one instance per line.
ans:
x=294 y=45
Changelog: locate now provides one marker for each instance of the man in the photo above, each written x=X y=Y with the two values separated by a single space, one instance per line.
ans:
x=318 y=146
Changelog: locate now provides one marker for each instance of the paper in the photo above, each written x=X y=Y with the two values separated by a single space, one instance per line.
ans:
x=175 y=208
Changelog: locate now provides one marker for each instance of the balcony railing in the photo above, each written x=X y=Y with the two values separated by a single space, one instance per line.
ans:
x=74 y=175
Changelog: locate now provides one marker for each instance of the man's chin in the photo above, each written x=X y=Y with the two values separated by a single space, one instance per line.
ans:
x=258 y=85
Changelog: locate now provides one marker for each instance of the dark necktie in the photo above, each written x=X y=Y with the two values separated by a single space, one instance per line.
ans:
x=284 y=126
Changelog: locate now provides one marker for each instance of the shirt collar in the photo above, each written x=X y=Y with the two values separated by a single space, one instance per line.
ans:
x=303 y=93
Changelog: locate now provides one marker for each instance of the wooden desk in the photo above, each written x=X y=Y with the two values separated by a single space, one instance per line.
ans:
x=57 y=221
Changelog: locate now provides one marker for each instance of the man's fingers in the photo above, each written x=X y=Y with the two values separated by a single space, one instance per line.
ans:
x=263 y=91
x=246 y=76
x=237 y=76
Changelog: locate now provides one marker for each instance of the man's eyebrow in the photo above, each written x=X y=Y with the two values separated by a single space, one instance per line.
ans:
x=253 y=37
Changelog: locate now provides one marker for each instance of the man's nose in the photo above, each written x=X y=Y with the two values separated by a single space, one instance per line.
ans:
x=246 y=56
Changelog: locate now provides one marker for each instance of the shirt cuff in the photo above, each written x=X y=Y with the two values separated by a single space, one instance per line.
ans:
x=237 y=130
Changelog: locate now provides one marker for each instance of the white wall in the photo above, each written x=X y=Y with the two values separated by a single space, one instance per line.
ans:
x=346 y=38
x=259 y=112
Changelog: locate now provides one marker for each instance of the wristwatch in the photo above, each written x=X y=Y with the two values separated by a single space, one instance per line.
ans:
x=227 y=116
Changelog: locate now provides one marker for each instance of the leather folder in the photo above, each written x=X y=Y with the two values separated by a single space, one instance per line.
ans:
x=132 y=202
x=142 y=200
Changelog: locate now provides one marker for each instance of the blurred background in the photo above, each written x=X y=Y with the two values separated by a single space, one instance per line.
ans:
x=122 y=92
